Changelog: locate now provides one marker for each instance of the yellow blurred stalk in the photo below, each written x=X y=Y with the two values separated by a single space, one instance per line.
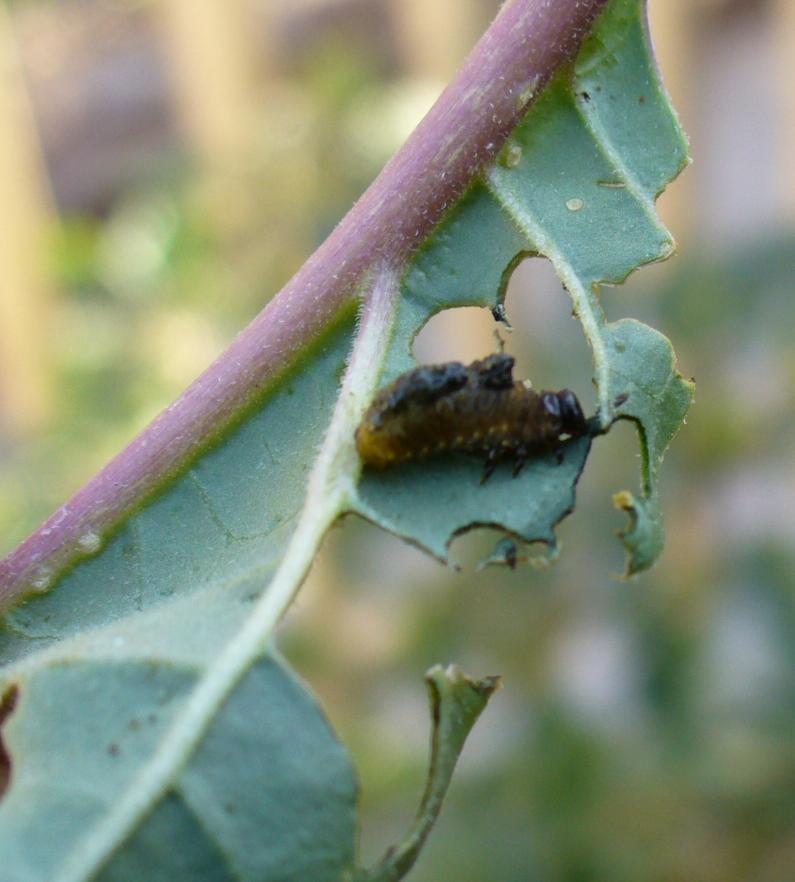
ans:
x=783 y=13
x=26 y=223
x=435 y=37
x=672 y=23
x=214 y=55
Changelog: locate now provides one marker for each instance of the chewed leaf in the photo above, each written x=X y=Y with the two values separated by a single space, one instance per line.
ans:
x=649 y=388
x=653 y=394
x=576 y=183
x=456 y=703
x=453 y=499
x=149 y=730
x=506 y=553
x=644 y=537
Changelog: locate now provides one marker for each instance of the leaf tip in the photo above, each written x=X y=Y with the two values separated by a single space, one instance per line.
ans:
x=457 y=701
x=644 y=536
x=452 y=684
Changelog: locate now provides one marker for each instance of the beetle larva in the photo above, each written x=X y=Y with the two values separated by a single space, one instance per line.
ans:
x=476 y=408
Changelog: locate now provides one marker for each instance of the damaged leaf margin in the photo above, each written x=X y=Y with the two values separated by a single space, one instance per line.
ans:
x=118 y=575
x=576 y=183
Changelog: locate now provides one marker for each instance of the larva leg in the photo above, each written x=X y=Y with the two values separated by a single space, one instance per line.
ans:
x=490 y=464
x=521 y=458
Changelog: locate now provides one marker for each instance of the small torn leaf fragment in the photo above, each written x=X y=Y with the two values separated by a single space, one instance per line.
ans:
x=644 y=536
x=653 y=394
x=456 y=703
x=650 y=388
x=507 y=553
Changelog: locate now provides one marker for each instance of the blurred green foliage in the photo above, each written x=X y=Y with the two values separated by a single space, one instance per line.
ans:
x=646 y=730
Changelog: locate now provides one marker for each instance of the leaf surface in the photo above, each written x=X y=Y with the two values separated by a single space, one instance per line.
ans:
x=154 y=724
x=576 y=183
x=254 y=793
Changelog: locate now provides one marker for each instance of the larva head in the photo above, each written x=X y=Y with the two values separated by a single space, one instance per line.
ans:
x=565 y=409
x=571 y=416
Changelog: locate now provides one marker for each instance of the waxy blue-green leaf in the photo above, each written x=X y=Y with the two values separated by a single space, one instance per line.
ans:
x=253 y=801
x=228 y=517
x=453 y=499
x=576 y=183
x=151 y=726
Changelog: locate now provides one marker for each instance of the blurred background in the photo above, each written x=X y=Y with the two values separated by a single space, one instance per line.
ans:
x=165 y=167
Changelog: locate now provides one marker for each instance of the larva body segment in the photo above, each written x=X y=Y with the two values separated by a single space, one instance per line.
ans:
x=477 y=408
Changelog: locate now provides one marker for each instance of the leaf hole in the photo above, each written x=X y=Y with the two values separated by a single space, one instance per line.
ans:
x=547 y=341
x=541 y=333
x=7 y=704
x=464 y=334
x=613 y=465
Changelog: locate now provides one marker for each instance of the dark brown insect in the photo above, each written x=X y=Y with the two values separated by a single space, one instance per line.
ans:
x=476 y=408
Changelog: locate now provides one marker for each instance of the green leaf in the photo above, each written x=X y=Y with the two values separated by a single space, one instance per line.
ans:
x=576 y=183
x=429 y=503
x=149 y=697
x=229 y=516
x=252 y=803
x=642 y=365
x=456 y=703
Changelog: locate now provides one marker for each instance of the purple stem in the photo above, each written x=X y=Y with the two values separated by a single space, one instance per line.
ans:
x=526 y=44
